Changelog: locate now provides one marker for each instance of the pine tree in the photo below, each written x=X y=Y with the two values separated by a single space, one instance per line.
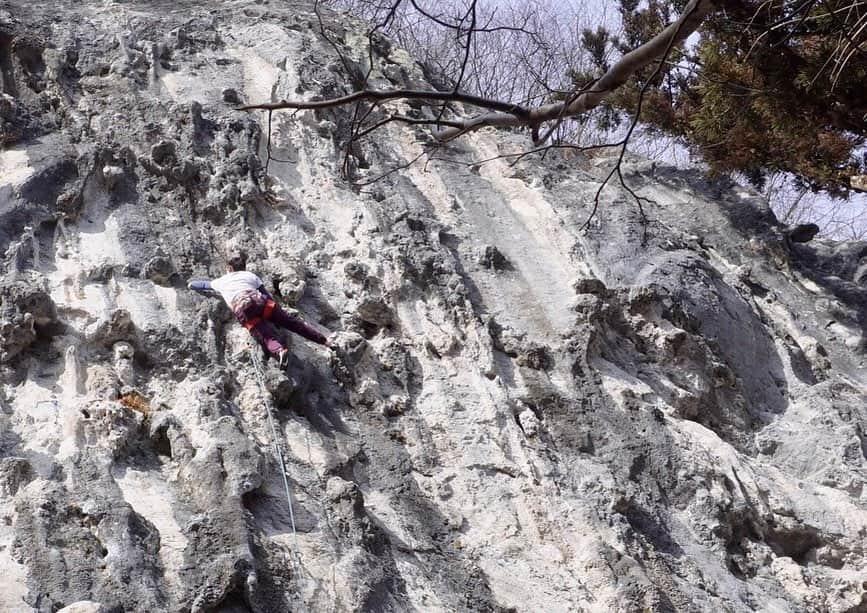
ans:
x=768 y=86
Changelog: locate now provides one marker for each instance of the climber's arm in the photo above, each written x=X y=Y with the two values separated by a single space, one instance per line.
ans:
x=265 y=292
x=202 y=286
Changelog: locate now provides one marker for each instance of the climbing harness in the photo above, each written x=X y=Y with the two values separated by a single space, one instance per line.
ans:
x=244 y=300
x=278 y=455
x=266 y=315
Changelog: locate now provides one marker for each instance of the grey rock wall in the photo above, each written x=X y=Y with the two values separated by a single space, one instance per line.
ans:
x=522 y=416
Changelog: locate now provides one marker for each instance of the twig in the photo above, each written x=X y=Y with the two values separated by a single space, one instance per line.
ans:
x=625 y=140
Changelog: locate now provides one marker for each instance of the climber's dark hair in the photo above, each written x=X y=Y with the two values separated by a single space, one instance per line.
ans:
x=237 y=260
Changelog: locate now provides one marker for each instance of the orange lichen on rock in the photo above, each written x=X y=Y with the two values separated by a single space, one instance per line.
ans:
x=135 y=401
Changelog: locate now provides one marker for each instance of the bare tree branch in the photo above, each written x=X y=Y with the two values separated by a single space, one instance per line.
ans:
x=506 y=114
x=616 y=76
x=392 y=94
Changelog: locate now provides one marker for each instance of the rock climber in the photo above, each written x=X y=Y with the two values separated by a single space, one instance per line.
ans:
x=255 y=308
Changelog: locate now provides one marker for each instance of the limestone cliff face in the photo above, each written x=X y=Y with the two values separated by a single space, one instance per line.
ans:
x=521 y=416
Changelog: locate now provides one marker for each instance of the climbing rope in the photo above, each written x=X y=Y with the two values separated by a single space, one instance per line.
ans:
x=278 y=455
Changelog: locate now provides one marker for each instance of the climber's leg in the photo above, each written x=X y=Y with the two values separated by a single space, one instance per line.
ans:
x=284 y=320
x=265 y=333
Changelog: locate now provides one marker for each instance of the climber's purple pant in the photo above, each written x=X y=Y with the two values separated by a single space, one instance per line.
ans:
x=250 y=306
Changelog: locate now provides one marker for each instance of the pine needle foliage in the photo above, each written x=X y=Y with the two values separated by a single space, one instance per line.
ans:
x=769 y=86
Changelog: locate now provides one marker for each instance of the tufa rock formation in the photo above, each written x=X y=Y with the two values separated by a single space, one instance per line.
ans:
x=521 y=416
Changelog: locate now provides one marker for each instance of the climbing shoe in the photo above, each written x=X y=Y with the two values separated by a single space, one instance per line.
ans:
x=283 y=359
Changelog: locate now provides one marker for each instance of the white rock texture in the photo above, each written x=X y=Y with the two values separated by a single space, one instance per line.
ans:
x=522 y=416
